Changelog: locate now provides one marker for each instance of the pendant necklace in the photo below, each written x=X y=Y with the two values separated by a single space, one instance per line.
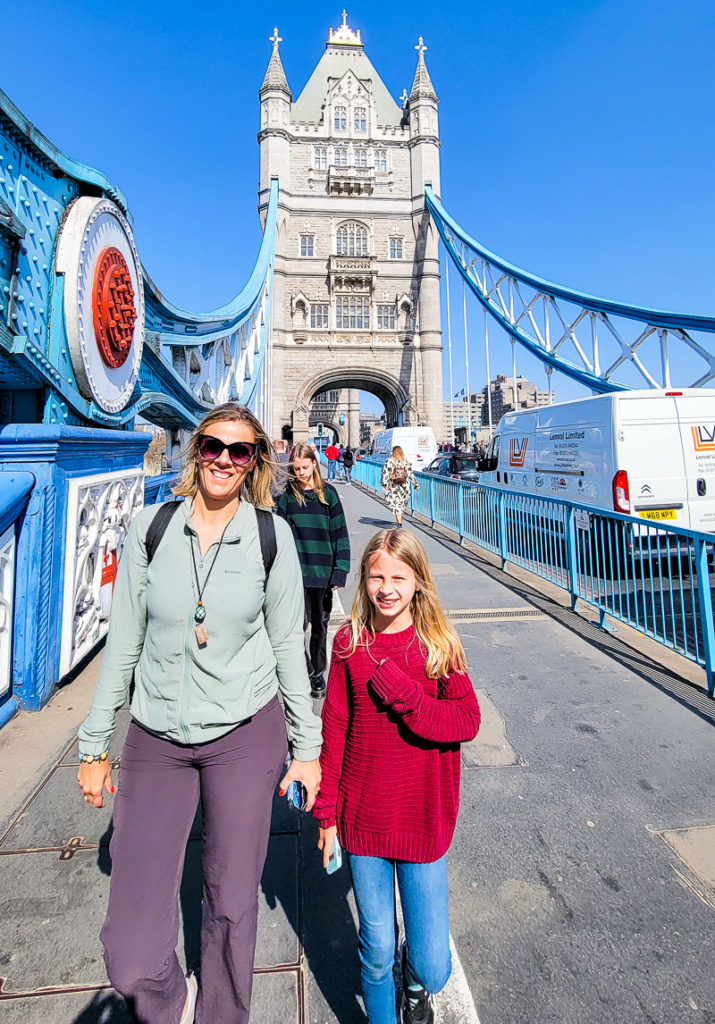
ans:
x=202 y=637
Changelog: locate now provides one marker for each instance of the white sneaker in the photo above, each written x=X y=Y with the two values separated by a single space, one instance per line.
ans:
x=192 y=989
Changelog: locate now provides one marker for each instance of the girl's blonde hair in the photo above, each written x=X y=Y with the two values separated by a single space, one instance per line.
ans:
x=435 y=633
x=397 y=452
x=293 y=486
x=257 y=485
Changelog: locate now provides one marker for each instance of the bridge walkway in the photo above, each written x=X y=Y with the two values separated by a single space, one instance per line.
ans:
x=581 y=874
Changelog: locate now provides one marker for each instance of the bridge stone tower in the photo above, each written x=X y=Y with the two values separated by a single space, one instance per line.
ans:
x=356 y=281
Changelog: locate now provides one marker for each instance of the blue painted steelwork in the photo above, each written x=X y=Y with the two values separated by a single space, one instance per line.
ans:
x=54 y=455
x=658 y=579
x=15 y=490
x=158 y=488
x=190 y=362
x=529 y=318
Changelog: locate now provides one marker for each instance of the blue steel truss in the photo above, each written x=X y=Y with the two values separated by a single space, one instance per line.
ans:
x=190 y=361
x=605 y=345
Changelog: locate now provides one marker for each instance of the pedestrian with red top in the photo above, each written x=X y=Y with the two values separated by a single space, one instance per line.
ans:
x=399 y=704
x=331 y=454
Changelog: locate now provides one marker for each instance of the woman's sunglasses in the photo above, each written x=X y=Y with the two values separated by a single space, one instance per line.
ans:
x=240 y=452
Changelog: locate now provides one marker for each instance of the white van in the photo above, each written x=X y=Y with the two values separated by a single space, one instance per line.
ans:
x=646 y=453
x=418 y=444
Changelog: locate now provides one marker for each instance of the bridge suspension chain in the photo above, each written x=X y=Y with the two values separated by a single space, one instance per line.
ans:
x=607 y=346
x=195 y=361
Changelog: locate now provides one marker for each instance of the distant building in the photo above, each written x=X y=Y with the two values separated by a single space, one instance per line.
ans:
x=528 y=396
x=370 y=424
x=465 y=415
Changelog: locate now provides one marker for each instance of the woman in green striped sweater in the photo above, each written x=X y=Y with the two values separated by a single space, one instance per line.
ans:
x=314 y=513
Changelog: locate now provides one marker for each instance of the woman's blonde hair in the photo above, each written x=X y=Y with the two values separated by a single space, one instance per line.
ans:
x=304 y=451
x=397 y=452
x=257 y=485
x=435 y=633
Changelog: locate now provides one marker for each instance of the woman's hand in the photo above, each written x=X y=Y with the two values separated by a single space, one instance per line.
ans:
x=326 y=838
x=307 y=772
x=93 y=779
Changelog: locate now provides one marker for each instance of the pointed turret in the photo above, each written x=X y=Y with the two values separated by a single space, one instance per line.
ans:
x=275 y=77
x=274 y=137
x=422 y=87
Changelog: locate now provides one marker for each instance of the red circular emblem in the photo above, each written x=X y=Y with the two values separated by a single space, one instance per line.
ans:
x=113 y=307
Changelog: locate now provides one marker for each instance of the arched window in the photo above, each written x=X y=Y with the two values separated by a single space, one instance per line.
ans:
x=360 y=119
x=351 y=240
x=340 y=118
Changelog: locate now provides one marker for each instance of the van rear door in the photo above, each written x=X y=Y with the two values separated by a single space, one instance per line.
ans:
x=696 y=419
x=650 y=450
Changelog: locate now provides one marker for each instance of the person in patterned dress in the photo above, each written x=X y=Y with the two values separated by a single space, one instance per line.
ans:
x=397 y=478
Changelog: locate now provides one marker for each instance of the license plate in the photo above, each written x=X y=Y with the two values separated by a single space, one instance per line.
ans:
x=659 y=514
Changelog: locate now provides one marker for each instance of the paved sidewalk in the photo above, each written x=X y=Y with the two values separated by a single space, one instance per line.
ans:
x=581 y=874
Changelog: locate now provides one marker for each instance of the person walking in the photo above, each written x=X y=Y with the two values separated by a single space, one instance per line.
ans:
x=341 y=467
x=315 y=515
x=397 y=478
x=399 y=704
x=348 y=463
x=282 y=458
x=207 y=621
x=331 y=454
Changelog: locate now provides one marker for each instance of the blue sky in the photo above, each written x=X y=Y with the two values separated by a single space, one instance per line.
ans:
x=578 y=136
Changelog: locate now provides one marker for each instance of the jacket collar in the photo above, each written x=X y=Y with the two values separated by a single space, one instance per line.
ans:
x=236 y=527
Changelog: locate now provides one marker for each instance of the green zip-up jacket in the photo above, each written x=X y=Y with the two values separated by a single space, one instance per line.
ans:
x=254 y=651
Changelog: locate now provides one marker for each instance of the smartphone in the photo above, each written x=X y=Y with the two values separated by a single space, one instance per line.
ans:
x=297 y=795
x=335 y=860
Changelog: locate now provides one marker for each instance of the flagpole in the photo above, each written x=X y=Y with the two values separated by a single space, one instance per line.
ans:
x=466 y=358
x=449 y=346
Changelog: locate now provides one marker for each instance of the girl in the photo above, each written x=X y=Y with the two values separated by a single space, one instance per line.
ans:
x=315 y=516
x=210 y=642
x=399 y=704
x=397 y=476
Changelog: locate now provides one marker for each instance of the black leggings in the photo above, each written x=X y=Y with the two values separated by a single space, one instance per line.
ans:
x=318 y=605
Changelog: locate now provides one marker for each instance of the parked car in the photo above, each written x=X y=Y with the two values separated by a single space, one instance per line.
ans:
x=457 y=465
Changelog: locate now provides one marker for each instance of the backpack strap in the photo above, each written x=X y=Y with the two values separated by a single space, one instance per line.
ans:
x=157 y=527
x=267 y=537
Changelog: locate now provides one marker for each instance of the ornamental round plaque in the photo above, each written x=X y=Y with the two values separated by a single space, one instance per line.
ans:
x=103 y=301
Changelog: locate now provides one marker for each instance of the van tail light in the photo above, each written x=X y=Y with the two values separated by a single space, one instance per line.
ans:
x=621 y=497
x=673 y=394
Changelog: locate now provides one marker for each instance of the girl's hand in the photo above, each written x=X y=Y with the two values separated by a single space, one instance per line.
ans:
x=307 y=772
x=93 y=779
x=326 y=838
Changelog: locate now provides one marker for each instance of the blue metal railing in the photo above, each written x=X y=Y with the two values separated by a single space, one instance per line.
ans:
x=158 y=488
x=657 y=579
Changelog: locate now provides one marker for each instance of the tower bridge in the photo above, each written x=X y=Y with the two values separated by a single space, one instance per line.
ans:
x=344 y=297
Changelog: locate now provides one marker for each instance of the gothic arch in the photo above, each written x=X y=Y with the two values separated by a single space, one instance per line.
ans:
x=383 y=385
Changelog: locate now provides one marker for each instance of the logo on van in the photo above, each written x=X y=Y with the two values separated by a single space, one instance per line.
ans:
x=517 y=450
x=703 y=438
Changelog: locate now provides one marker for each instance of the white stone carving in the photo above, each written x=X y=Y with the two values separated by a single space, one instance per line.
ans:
x=7 y=596
x=99 y=511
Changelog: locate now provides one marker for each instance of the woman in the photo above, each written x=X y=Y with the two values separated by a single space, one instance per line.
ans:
x=397 y=477
x=315 y=515
x=348 y=462
x=210 y=640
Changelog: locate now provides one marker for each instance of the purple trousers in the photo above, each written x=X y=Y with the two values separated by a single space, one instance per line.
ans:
x=160 y=783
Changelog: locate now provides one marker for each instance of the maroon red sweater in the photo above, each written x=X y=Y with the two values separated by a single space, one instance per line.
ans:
x=390 y=757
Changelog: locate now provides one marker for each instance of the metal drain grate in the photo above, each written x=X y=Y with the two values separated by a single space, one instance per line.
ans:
x=494 y=614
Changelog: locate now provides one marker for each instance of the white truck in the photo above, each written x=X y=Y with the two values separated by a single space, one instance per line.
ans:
x=418 y=444
x=646 y=453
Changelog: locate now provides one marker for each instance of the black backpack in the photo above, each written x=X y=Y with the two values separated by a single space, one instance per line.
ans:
x=264 y=520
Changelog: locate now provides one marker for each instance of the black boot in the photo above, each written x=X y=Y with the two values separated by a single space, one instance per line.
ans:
x=318 y=687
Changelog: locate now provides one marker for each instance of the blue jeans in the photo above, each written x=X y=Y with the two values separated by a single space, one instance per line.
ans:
x=423 y=894
x=331 y=468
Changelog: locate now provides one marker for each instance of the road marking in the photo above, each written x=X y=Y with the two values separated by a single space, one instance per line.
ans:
x=454 y=1004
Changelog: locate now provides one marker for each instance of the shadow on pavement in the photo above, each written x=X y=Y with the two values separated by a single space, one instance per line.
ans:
x=105 y=1008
